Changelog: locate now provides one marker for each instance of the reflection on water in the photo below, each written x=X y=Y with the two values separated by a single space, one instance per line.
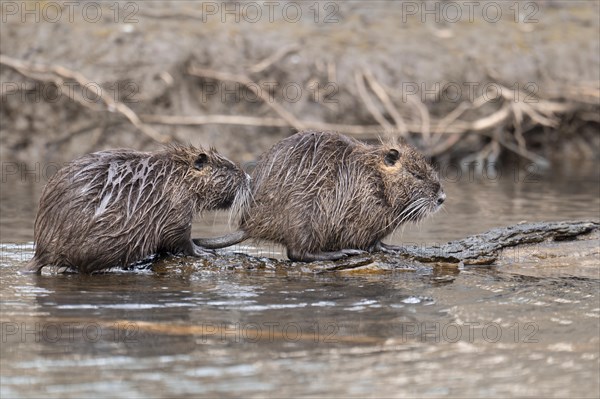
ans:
x=437 y=331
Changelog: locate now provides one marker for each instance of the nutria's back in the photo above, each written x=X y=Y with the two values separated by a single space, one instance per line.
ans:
x=320 y=192
x=112 y=208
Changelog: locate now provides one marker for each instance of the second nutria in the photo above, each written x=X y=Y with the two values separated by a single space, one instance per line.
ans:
x=324 y=196
x=113 y=208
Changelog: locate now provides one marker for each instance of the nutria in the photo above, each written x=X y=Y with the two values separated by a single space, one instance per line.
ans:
x=114 y=208
x=324 y=196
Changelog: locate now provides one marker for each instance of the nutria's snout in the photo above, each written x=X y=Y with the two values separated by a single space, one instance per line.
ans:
x=237 y=191
x=441 y=198
x=241 y=196
x=438 y=198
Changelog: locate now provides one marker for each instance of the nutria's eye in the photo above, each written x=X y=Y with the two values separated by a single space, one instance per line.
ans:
x=200 y=161
x=391 y=157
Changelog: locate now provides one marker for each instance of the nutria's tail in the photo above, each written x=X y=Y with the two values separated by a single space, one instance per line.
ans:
x=33 y=266
x=221 y=242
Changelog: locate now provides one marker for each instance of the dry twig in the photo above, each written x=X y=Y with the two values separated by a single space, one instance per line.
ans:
x=57 y=75
x=370 y=104
x=252 y=86
x=383 y=96
x=273 y=58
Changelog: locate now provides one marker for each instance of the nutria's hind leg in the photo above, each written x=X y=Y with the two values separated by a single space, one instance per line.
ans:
x=311 y=257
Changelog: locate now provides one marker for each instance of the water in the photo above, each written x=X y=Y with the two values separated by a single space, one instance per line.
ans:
x=187 y=328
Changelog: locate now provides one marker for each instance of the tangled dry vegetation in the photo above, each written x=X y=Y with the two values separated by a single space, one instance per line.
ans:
x=507 y=121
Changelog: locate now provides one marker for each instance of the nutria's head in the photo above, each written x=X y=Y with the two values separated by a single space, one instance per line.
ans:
x=216 y=182
x=412 y=186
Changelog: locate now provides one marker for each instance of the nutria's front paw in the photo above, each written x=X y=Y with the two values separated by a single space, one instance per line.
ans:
x=386 y=248
x=352 y=252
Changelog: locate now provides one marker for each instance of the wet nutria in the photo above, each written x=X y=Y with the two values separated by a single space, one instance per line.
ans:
x=324 y=196
x=113 y=208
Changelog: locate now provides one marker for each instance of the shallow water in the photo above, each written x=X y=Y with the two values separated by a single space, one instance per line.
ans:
x=512 y=329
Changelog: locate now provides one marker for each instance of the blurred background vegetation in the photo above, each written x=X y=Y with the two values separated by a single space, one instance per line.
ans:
x=464 y=81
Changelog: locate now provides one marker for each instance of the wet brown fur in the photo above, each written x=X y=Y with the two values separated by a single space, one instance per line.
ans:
x=113 y=208
x=319 y=192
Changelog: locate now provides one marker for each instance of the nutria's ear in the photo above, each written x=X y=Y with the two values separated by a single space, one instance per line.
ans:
x=200 y=161
x=391 y=157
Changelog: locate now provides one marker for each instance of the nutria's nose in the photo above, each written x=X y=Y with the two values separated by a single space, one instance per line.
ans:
x=441 y=198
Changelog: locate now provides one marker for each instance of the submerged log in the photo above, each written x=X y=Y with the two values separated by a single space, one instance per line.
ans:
x=481 y=249
x=484 y=248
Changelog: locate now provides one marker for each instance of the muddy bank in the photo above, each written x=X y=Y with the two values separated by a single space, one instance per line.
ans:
x=482 y=83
